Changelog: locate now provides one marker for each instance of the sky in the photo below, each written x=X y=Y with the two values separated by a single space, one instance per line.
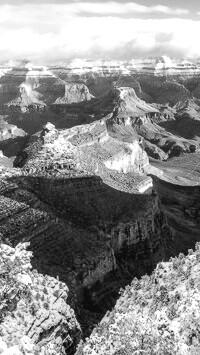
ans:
x=50 y=31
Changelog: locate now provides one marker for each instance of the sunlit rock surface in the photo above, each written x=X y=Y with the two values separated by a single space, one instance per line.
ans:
x=34 y=312
x=153 y=314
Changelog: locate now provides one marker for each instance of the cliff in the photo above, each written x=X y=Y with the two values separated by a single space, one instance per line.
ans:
x=74 y=92
x=181 y=204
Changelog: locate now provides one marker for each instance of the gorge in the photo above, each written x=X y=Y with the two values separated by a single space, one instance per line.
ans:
x=99 y=173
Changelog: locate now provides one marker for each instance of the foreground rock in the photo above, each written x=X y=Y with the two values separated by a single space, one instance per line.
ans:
x=34 y=315
x=155 y=314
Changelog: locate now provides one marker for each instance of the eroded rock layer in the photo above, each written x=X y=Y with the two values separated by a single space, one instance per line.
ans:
x=84 y=92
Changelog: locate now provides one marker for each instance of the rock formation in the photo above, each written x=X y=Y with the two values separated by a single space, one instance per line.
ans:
x=76 y=189
x=74 y=92
x=34 y=313
x=9 y=131
x=82 y=151
x=69 y=96
x=153 y=314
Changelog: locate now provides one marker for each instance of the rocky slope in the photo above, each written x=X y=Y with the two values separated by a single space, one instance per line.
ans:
x=34 y=314
x=155 y=314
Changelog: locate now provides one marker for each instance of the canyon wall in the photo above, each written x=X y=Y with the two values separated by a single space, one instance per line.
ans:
x=132 y=229
x=181 y=205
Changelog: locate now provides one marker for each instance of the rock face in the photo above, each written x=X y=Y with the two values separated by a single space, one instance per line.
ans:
x=135 y=161
x=74 y=93
x=177 y=185
x=163 y=90
x=34 y=312
x=181 y=205
x=4 y=161
x=56 y=243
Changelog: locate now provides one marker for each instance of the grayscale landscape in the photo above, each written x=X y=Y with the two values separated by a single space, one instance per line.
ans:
x=99 y=178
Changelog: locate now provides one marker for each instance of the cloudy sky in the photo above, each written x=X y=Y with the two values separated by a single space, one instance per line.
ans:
x=60 y=30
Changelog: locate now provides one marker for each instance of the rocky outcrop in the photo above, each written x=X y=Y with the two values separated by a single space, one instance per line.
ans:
x=34 y=307
x=74 y=92
x=130 y=81
x=4 y=161
x=135 y=161
x=154 y=313
x=9 y=131
x=82 y=151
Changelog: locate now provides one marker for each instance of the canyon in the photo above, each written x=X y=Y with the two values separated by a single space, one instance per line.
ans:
x=99 y=172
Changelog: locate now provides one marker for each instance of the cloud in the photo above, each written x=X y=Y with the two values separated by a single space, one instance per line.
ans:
x=116 y=8
x=47 y=33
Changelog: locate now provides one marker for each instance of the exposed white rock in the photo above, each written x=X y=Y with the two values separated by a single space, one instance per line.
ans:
x=3 y=346
x=134 y=160
x=48 y=127
x=26 y=344
x=13 y=350
x=24 y=279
